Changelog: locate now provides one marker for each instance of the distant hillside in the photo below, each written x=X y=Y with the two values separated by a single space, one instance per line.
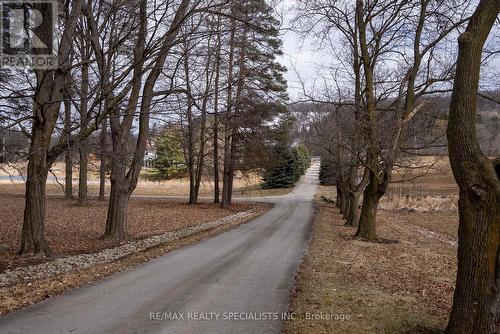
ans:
x=427 y=132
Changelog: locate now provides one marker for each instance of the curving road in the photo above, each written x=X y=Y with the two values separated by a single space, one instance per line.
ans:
x=236 y=282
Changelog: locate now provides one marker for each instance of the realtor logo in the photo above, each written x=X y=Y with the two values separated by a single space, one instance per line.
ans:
x=28 y=31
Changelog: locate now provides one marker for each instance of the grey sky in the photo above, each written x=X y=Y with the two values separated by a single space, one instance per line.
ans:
x=306 y=60
x=300 y=56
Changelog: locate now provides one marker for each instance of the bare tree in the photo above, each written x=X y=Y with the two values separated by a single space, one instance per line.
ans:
x=374 y=47
x=68 y=159
x=102 y=157
x=228 y=126
x=85 y=53
x=476 y=302
x=126 y=164
x=216 y=122
x=46 y=104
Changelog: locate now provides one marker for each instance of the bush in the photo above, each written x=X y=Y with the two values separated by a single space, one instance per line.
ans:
x=169 y=162
x=287 y=167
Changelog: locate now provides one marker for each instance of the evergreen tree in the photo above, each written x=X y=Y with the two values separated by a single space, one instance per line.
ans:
x=289 y=165
x=256 y=87
x=169 y=161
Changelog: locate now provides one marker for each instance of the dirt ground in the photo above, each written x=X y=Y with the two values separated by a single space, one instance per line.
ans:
x=73 y=230
x=404 y=286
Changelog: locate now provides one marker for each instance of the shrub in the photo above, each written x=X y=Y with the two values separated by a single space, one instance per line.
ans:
x=287 y=167
x=169 y=162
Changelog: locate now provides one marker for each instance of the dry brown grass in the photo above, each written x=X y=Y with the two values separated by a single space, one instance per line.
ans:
x=424 y=185
x=401 y=287
x=420 y=203
x=244 y=185
x=423 y=176
x=72 y=230
x=151 y=189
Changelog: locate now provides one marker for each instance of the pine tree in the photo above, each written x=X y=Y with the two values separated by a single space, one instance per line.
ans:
x=169 y=161
x=259 y=92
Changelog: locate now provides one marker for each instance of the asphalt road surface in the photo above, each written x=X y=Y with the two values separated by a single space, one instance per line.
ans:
x=236 y=282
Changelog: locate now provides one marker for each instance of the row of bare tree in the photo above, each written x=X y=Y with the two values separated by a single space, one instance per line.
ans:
x=122 y=65
x=389 y=58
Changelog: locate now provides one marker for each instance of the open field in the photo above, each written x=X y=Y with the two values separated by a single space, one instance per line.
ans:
x=11 y=182
x=423 y=176
x=73 y=230
x=179 y=188
x=422 y=185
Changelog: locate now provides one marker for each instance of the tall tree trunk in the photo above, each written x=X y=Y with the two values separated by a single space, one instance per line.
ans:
x=216 y=142
x=102 y=158
x=350 y=191
x=228 y=135
x=347 y=204
x=354 y=211
x=192 y=187
x=367 y=220
x=216 y=159
x=345 y=198
x=232 y=164
x=237 y=114
x=68 y=170
x=190 y=132
x=190 y=159
x=68 y=156
x=125 y=175
x=122 y=182
x=201 y=153
x=200 y=164
x=33 y=232
x=84 y=160
x=355 y=188
x=226 y=174
x=476 y=302
x=116 y=222
x=83 y=175
x=338 y=202
x=354 y=194
x=46 y=105
x=216 y=116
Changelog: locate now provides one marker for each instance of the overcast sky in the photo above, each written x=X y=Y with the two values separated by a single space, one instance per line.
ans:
x=299 y=56
x=307 y=60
